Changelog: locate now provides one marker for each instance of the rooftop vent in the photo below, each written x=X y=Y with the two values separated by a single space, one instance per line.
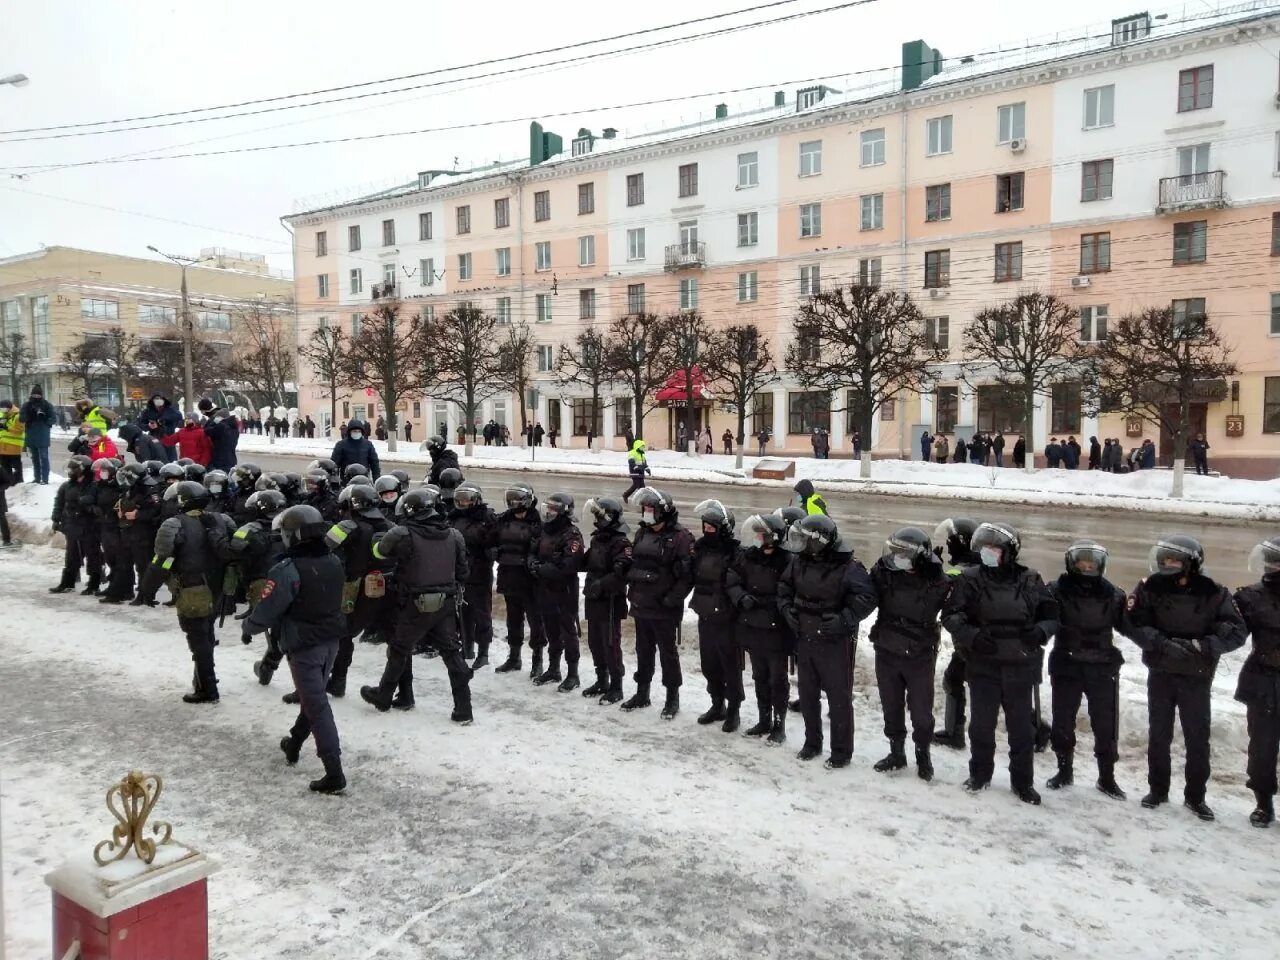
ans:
x=919 y=62
x=722 y=111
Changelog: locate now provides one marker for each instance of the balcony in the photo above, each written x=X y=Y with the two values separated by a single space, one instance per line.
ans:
x=1193 y=191
x=385 y=291
x=683 y=255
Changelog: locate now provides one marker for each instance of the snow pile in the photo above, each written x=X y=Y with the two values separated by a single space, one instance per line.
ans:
x=31 y=510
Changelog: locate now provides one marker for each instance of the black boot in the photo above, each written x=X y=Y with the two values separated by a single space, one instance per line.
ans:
x=66 y=584
x=672 y=706
x=401 y=702
x=794 y=705
x=1028 y=794
x=337 y=686
x=1153 y=800
x=896 y=760
x=292 y=748
x=482 y=658
x=975 y=785
x=203 y=695
x=263 y=672
x=1107 y=780
x=291 y=698
x=1063 y=778
x=512 y=662
x=571 y=681
x=333 y=780
x=549 y=675
x=808 y=752
x=638 y=699
x=599 y=688
x=778 y=732
x=1200 y=809
x=375 y=697
x=614 y=693
x=924 y=764
x=952 y=732
x=1265 y=813
x=91 y=588
x=764 y=723
x=731 y=719
x=714 y=715
x=535 y=661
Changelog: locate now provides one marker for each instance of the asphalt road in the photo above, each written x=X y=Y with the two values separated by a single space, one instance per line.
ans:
x=867 y=519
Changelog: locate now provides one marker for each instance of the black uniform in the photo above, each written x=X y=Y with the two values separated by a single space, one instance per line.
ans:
x=823 y=599
x=516 y=536
x=604 y=594
x=752 y=585
x=441 y=462
x=1258 y=686
x=431 y=566
x=953 y=690
x=256 y=548
x=1183 y=625
x=718 y=650
x=554 y=562
x=73 y=517
x=326 y=502
x=659 y=579
x=1000 y=618
x=105 y=497
x=906 y=636
x=479 y=528
x=137 y=536
x=364 y=591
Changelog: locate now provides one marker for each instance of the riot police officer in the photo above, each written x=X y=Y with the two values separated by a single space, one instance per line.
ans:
x=823 y=595
x=554 y=563
x=518 y=528
x=364 y=587
x=442 y=458
x=221 y=499
x=171 y=474
x=331 y=471
x=659 y=579
x=714 y=555
x=478 y=524
x=73 y=517
x=954 y=534
x=244 y=478
x=1000 y=615
x=752 y=585
x=1258 y=686
x=910 y=588
x=450 y=477
x=138 y=510
x=431 y=566
x=387 y=487
x=256 y=547
x=1086 y=662
x=106 y=494
x=318 y=492
x=604 y=592
x=1184 y=622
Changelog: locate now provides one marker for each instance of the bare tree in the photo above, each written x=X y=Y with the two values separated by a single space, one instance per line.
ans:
x=738 y=360
x=586 y=364
x=118 y=355
x=464 y=365
x=1151 y=365
x=83 y=364
x=17 y=361
x=160 y=364
x=639 y=355
x=388 y=356
x=326 y=351
x=690 y=336
x=868 y=340
x=515 y=355
x=262 y=360
x=1027 y=344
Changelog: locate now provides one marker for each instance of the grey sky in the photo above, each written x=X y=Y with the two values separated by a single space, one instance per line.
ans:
x=94 y=61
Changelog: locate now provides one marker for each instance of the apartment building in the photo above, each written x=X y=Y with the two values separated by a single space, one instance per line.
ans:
x=1139 y=167
x=57 y=297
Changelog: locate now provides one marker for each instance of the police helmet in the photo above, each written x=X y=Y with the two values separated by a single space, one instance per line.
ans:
x=327 y=465
x=190 y=495
x=556 y=505
x=130 y=474
x=184 y=461
x=716 y=514
x=299 y=523
x=363 y=499
x=789 y=514
x=435 y=445
x=266 y=503
x=450 y=477
x=520 y=496
x=956 y=534
x=763 y=530
x=1176 y=556
x=172 y=473
x=153 y=467
x=387 y=488
x=355 y=470
x=422 y=502
x=104 y=470
x=812 y=535
x=291 y=486
x=1264 y=559
x=1085 y=558
x=215 y=482
x=268 y=481
x=996 y=544
x=361 y=481
x=605 y=512
x=194 y=471
x=403 y=477
x=468 y=495
x=246 y=474
x=907 y=547
x=79 y=466
x=655 y=506
x=315 y=480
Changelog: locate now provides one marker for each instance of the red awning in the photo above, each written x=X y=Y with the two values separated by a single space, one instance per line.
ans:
x=676 y=388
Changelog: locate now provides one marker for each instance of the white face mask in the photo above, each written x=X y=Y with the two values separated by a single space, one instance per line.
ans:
x=648 y=515
x=356 y=434
x=157 y=404
x=901 y=562
x=991 y=556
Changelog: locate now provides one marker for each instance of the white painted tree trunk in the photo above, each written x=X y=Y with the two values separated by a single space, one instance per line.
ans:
x=391 y=441
x=1179 y=470
x=737 y=460
x=865 y=470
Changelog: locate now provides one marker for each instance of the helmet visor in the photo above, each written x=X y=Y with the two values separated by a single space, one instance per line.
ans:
x=518 y=498
x=1086 y=559
x=598 y=514
x=465 y=498
x=902 y=554
x=714 y=512
x=1264 y=560
x=1169 y=559
x=802 y=540
x=756 y=533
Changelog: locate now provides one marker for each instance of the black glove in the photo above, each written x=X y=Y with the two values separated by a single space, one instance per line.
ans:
x=833 y=626
x=673 y=601
x=748 y=602
x=535 y=569
x=791 y=618
x=1035 y=637
x=592 y=590
x=245 y=636
x=983 y=643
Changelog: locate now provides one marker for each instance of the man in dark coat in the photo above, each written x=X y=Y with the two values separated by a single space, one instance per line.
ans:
x=223 y=433
x=356 y=448
x=142 y=445
x=38 y=417
x=160 y=419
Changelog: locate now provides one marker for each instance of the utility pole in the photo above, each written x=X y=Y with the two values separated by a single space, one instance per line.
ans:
x=188 y=389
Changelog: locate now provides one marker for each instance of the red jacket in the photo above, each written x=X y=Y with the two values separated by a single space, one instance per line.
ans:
x=191 y=442
x=102 y=449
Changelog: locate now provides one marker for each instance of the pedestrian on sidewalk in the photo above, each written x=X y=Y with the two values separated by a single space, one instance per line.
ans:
x=941 y=448
x=997 y=446
x=637 y=467
x=962 y=451
x=727 y=439
x=38 y=417
x=1200 y=454
x=12 y=431
x=6 y=481
x=926 y=444
x=1020 y=453
x=762 y=438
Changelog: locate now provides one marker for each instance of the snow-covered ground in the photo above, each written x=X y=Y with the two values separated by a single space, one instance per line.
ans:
x=554 y=827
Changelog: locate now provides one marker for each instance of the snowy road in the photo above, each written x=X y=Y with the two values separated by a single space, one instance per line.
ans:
x=557 y=828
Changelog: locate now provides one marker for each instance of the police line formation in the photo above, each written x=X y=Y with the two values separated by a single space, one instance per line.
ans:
x=331 y=556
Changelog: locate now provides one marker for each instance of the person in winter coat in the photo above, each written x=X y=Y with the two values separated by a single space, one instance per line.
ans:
x=73 y=518
x=762 y=439
x=442 y=459
x=1149 y=455
x=637 y=467
x=160 y=419
x=977 y=449
x=727 y=439
x=808 y=499
x=11 y=438
x=38 y=417
x=365 y=600
x=997 y=447
x=192 y=442
x=1258 y=686
x=714 y=555
x=476 y=521
x=926 y=445
x=356 y=448
x=93 y=415
x=1020 y=453
x=604 y=592
x=1095 y=454
x=254 y=549
x=941 y=448
x=1071 y=454
x=962 y=451
x=141 y=444
x=554 y=561
x=1053 y=453
x=223 y=432
x=6 y=481
x=100 y=446
x=137 y=512
x=954 y=535
x=519 y=528
x=1200 y=454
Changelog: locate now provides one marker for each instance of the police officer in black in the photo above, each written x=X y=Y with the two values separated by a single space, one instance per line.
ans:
x=1000 y=615
x=518 y=529
x=171 y=474
x=190 y=552
x=256 y=547
x=221 y=499
x=450 y=477
x=714 y=555
x=659 y=579
x=604 y=592
x=478 y=524
x=1258 y=686
x=910 y=588
x=1184 y=622
x=244 y=478
x=331 y=470
x=364 y=587
x=301 y=600
x=73 y=517
x=431 y=566
x=317 y=492
x=106 y=494
x=954 y=534
x=554 y=563
x=752 y=585
x=139 y=511
x=1086 y=662
x=388 y=490
x=442 y=458
x=823 y=595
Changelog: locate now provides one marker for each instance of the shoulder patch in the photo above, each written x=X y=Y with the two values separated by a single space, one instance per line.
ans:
x=1131 y=601
x=268 y=588
x=575 y=545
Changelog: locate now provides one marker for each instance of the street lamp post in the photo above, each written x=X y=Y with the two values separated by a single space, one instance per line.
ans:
x=188 y=388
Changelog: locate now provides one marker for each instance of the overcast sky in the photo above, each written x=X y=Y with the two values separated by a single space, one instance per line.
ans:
x=117 y=59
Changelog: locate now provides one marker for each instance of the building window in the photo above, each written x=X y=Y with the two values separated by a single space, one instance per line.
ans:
x=427 y=268
x=635 y=244
x=869 y=272
x=100 y=309
x=542 y=255
x=946 y=408
x=357 y=324
x=545 y=359
x=872 y=143
x=1130 y=28
x=688 y=293
x=322 y=243
x=586 y=251
x=586 y=417
x=502 y=213
x=1275 y=314
x=810 y=219
x=748 y=170
x=503 y=311
x=810 y=280
x=542 y=206
x=322 y=285
x=937 y=202
x=353 y=238
x=688 y=177
x=807 y=348
x=1189 y=317
x=1193 y=163
x=388 y=274
x=388 y=233
x=937 y=331
x=1093 y=324
x=154 y=315
x=417 y=409
x=635 y=189
x=1095 y=179
x=425 y=230
x=811 y=158
x=748 y=229
x=937 y=269
x=1008 y=261
x=1191 y=241
x=1011 y=122
x=214 y=320
x=544 y=307
x=1271 y=405
x=1000 y=409
x=464 y=266
x=586 y=198
x=872 y=212
x=1095 y=253
x=429 y=313
x=587 y=304
x=1195 y=88
x=1099 y=107
x=938 y=135
x=807 y=411
x=357 y=280
x=1275 y=234
x=747 y=287
x=503 y=257
x=1009 y=192
x=1065 y=408
x=688 y=236
x=464 y=219
x=762 y=413
x=635 y=298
